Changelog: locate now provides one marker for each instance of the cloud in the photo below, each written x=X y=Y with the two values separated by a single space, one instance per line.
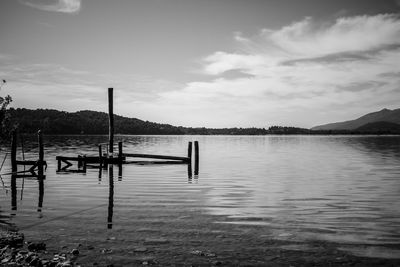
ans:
x=63 y=6
x=359 y=33
x=54 y=86
x=297 y=73
x=302 y=74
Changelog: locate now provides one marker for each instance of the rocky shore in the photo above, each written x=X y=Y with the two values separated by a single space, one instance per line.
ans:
x=162 y=251
x=14 y=251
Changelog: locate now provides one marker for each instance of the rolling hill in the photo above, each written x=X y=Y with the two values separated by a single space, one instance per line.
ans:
x=384 y=115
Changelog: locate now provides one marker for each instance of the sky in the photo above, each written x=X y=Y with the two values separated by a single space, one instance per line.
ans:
x=204 y=63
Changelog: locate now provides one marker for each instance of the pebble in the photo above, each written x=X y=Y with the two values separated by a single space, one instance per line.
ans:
x=66 y=264
x=201 y=253
x=75 y=252
x=106 y=251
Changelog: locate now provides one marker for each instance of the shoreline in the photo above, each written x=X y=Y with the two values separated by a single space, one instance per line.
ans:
x=186 y=240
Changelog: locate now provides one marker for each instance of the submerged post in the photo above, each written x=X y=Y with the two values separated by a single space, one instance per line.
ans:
x=111 y=121
x=41 y=154
x=14 y=152
x=196 y=157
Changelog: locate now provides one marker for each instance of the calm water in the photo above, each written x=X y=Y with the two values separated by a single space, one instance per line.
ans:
x=340 y=189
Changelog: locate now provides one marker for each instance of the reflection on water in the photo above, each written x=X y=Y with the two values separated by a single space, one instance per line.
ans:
x=341 y=189
x=110 y=196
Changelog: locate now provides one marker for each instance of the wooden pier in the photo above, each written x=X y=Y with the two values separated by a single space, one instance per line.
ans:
x=104 y=159
x=35 y=165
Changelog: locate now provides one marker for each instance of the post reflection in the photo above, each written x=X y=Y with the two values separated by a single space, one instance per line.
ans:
x=41 y=194
x=14 y=203
x=13 y=192
x=110 y=196
x=190 y=173
x=100 y=173
x=119 y=172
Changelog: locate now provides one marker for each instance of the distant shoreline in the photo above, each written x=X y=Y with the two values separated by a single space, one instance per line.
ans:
x=88 y=122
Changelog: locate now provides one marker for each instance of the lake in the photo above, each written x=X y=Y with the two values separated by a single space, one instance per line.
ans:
x=296 y=190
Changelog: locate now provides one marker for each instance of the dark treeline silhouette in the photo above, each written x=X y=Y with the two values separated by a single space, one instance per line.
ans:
x=288 y=130
x=93 y=122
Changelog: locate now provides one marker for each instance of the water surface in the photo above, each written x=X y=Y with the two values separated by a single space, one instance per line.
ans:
x=339 y=189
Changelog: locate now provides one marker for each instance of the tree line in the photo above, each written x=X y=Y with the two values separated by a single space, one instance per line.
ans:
x=52 y=121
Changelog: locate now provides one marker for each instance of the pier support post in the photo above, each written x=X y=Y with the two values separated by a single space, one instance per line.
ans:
x=196 y=157
x=119 y=152
x=14 y=170
x=79 y=161
x=84 y=161
x=14 y=167
x=41 y=154
x=100 y=157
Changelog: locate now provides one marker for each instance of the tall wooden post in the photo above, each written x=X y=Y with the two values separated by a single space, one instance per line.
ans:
x=14 y=167
x=111 y=121
x=196 y=157
x=41 y=154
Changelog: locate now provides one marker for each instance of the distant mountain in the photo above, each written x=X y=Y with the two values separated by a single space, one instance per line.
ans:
x=385 y=115
x=92 y=122
x=380 y=127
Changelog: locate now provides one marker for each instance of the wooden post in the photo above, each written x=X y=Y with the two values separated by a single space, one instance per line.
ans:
x=14 y=167
x=190 y=161
x=84 y=163
x=100 y=157
x=119 y=152
x=190 y=152
x=196 y=157
x=41 y=154
x=58 y=165
x=111 y=121
x=79 y=161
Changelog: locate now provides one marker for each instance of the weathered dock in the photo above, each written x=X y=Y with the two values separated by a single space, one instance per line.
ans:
x=109 y=157
x=35 y=165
